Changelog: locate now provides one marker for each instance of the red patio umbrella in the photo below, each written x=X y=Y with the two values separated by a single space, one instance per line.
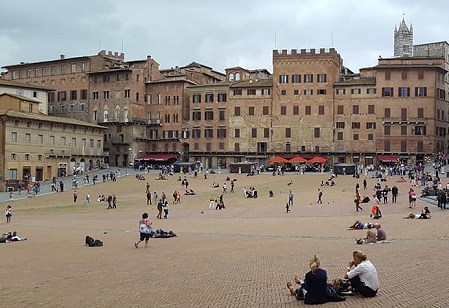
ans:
x=318 y=159
x=298 y=159
x=278 y=159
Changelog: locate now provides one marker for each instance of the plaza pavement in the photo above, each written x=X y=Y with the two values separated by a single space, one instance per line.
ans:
x=238 y=257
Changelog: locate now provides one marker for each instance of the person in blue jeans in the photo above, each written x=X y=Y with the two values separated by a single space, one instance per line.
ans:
x=313 y=288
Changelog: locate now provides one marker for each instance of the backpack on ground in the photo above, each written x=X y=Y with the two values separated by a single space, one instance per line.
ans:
x=90 y=241
x=98 y=243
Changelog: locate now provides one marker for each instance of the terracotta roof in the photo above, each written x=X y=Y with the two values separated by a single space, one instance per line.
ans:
x=23 y=98
x=13 y=83
x=49 y=61
x=46 y=118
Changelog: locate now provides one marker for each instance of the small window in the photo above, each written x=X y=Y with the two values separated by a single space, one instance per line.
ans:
x=355 y=125
x=283 y=110
x=340 y=109
x=251 y=92
x=308 y=78
x=340 y=124
x=296 y=78
x=322 y=78
x=308 y=110
x=265 y=110
x=254 y=132
x=321 y=110
x=295 y=110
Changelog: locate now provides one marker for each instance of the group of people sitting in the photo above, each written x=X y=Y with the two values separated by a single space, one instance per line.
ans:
x=9 y=237
x=190 y=192
x=360 y=278
x=250 y=192
x=161 y=176
x=425 y=214
x=374 y=234
x=140 y=177
x=329 y=182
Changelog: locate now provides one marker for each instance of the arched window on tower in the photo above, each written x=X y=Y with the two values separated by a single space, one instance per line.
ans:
x=237 y=76
x=231 y=77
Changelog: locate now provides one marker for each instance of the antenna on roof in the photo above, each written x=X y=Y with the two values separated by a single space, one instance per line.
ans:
x=275 y=40
x=99 y=44
x=332 y=38
x=122 y=46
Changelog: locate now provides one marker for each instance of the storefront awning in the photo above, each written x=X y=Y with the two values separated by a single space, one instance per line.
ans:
x=157 y=157
x=388 y=158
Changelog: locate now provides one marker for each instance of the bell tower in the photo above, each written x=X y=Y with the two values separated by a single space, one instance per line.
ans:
x=403 y=40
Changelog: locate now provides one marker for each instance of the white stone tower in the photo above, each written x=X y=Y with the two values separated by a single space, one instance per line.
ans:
x=403 y=40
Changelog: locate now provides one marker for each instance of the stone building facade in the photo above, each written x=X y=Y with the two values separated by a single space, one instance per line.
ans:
x=310 y=105
x=37 y=147
x=35 y=92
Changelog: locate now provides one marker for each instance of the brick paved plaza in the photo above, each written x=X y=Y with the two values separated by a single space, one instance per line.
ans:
x=238 y=257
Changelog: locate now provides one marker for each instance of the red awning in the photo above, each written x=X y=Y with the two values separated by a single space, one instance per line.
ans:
x=157 y=157
x=388 y=158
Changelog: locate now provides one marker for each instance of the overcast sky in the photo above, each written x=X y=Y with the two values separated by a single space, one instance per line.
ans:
x=215 y=33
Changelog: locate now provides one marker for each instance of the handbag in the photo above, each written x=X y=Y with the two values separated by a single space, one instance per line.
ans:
x=144 y=229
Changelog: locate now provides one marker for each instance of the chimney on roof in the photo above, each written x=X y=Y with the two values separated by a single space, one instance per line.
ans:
x=62 y=57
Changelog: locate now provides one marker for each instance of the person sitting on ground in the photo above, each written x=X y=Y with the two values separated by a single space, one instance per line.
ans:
x=381 y=234
x=359 y=225
x=313 y=288
x=365 y=199
x=370 y=237
x=162 y=234
x=425 y=213
x=11 y=237
x=363 y=278
x=401 y=179
x=190 y=192
x=412 y=215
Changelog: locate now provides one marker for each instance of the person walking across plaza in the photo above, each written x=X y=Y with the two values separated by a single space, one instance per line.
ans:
x=114 y=201
x=320 y=195
x=160 y=205
x=149 y=198
x=394 y=193
x=166 y=209
x=8 y=213
x=290 y=198
x=145 y=230
x=357 y=202
x=75 y=196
